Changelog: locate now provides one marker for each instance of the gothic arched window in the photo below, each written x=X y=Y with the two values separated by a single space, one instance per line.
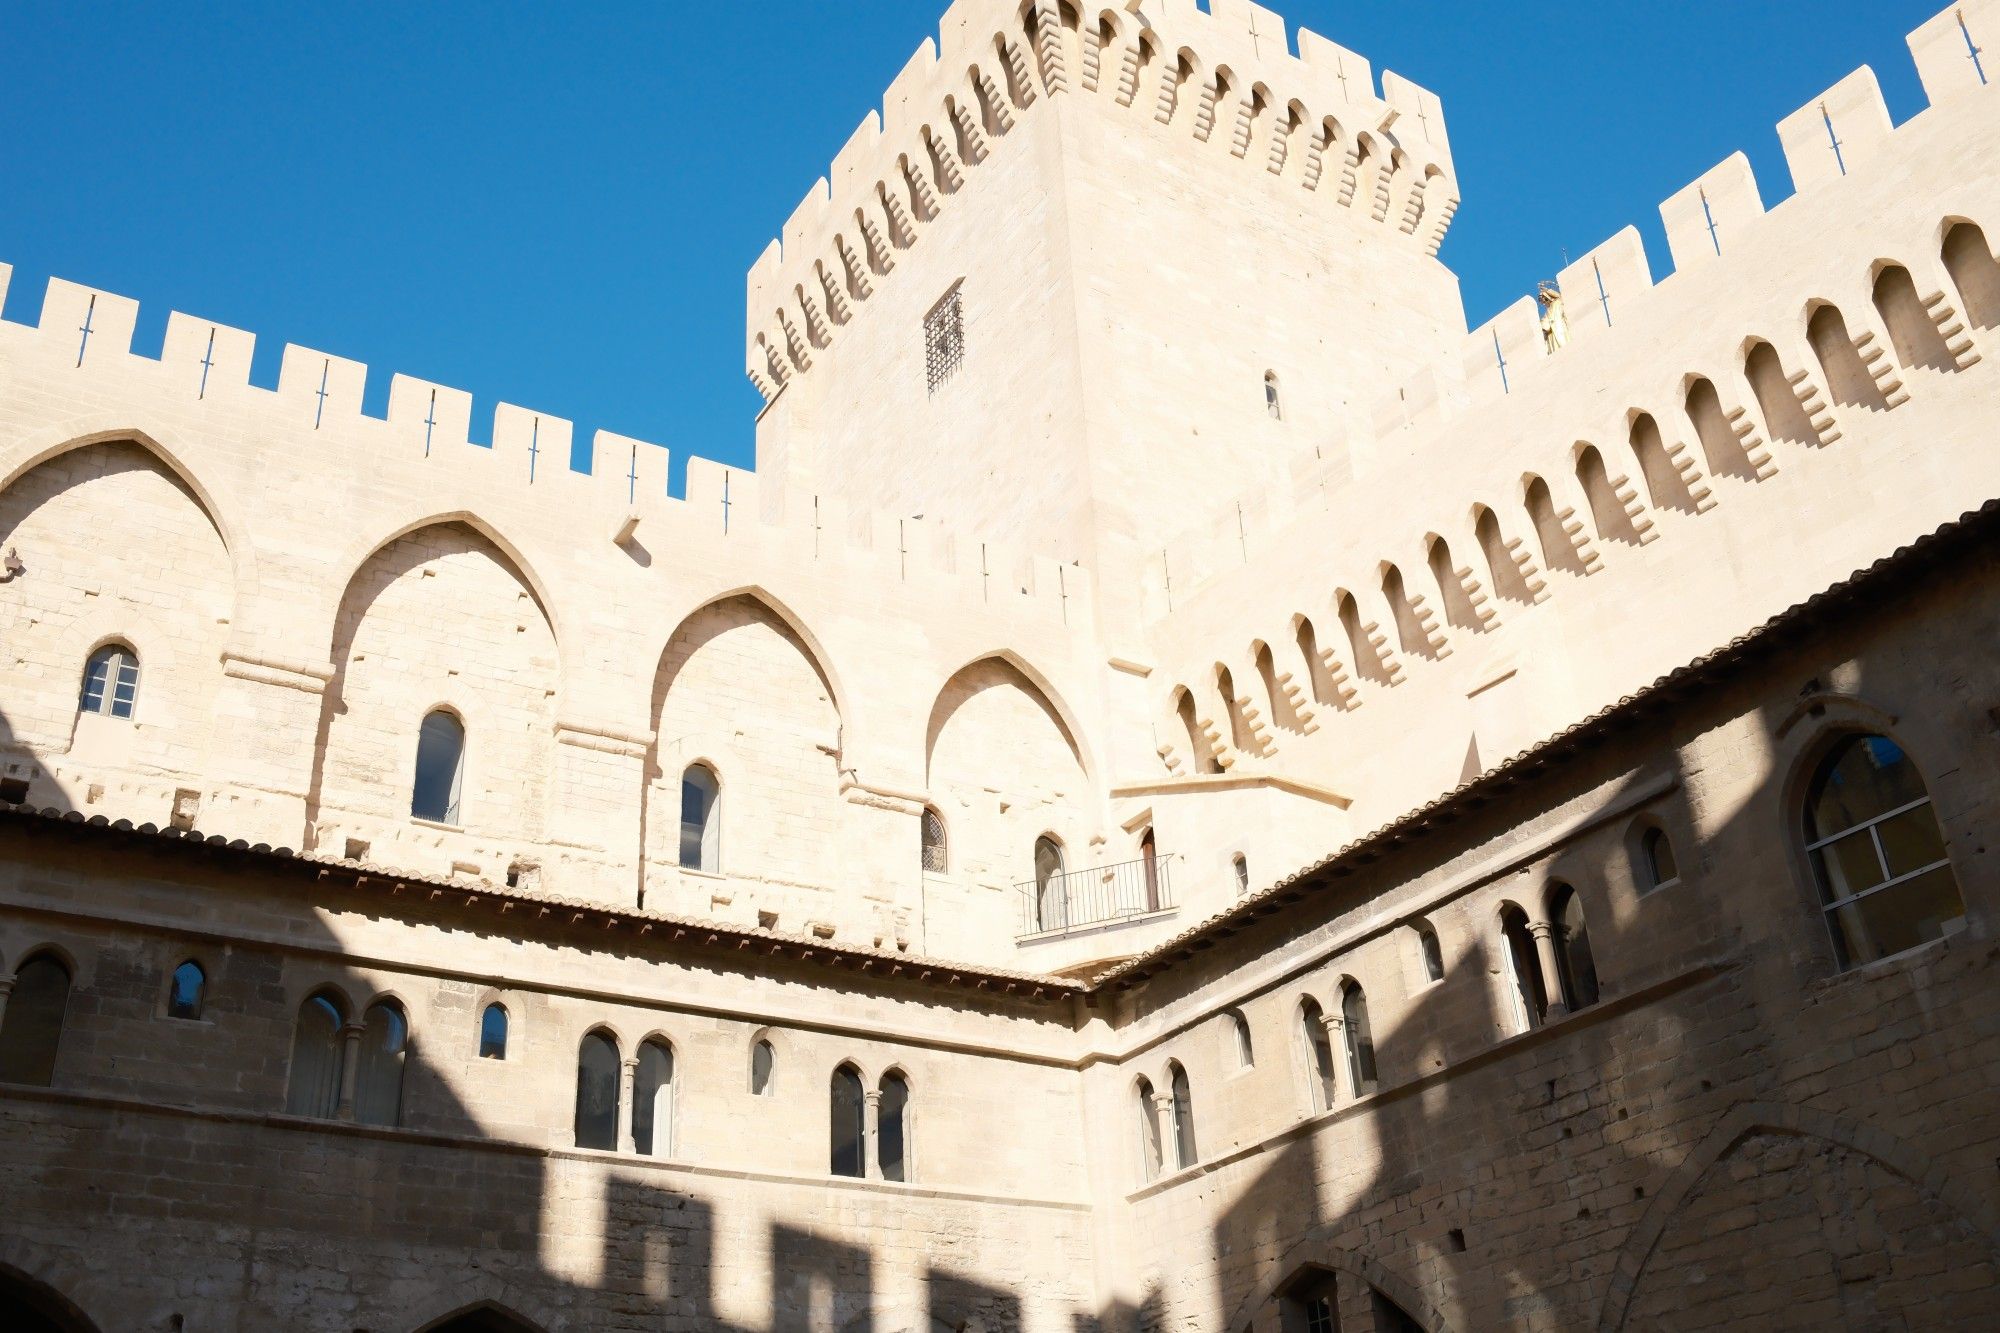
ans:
x=110 y=682
x=892 y=1127
x=440 y=776
x=597 y=1077
x=849 y=1123
x=701 y=819
x=653 y=1100
x=383 y=1050
x=317 y=1056
x=32 y=1030
x=187 y=990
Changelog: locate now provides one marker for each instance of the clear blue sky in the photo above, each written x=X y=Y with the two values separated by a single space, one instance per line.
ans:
x=555 y=205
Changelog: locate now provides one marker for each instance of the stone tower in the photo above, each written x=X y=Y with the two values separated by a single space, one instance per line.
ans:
x=1090 y=270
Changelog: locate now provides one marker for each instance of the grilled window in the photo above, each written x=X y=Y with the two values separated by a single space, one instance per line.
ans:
x=944 y=338
x=935 y=861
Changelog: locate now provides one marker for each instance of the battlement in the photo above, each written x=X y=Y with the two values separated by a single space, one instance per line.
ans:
x=1225 y=75
x=425 y=443
x=1719 y=233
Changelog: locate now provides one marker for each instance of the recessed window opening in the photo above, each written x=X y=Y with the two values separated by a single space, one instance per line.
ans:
x=1183 y=1111
x=1575 y=965
x=1658 y=867
x=653 y=1100
x=317 y=1057
x=1149 y=864
x=1051 y=888
x=1878 y=853
x=1274 y=406
x=384 y=1046
x=892 y=1128
x=701 y=823
x=1239 y=866
x=935 y=860
x=1431 y=952
x=185 y=993
x=1239 y=1033
x=440 y=772
x=493 y=1032
x=849 y=1123
x=1360 y=1039
x=1150 y=1147
x=597 y=1077
x=1316 y=1048
x=31 y=1032
x=944 y=338
x=111 y=682
x=763 y=1064
x=1527 y=992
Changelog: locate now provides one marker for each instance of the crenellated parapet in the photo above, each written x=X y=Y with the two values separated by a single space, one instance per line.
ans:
x=1224 y=78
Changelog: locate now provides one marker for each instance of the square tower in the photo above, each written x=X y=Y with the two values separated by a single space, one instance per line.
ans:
x=1093 y=272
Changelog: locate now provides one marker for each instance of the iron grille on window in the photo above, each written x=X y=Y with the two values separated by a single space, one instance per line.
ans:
x=934 y=854
x=944 y=339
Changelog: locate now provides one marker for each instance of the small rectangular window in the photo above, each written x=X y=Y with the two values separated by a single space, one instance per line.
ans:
x=944 y=338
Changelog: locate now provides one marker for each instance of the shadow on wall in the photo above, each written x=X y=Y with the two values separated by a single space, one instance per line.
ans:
x=1595 y=1170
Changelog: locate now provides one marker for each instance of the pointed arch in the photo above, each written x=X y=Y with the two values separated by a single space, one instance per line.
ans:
x=1050 y=697
x=1319 y=1249
x=39 y=1305
x=780 y=610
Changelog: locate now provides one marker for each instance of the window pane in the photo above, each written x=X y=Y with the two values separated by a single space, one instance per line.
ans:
x=378 y=1086
x=1184 y=1148
x=94 y=677
x=1848 y=866
x=597 y=1093
x=316 y=1057
x=1660 y=858
x=1863 y=777
x=493 y=1033
x=1911 y=840
x=652 y=1100
x=125 y=689
x=440 y=762
x=699 y=839
x=32 y=1029
x=184 y=999
x=1900 y=918
x=890 y=1129
x=848 y=1126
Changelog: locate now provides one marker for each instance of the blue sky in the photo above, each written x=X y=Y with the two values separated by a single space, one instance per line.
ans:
x=555 y=206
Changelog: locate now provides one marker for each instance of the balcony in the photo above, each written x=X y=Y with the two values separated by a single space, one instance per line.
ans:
x=1074 y=900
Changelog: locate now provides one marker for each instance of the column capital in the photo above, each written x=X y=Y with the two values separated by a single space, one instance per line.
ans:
x=873 y=1097
x=1542 y=930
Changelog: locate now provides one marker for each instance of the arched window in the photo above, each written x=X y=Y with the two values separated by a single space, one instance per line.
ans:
x=892 y=1127
x=1431 y=951
x=378 y=1083
x=1877 y=852
x=493 y=1032
x=1149 y=865
x=763 y=1065
x=316 y=1058
x=1657 y=867
x=440 y=768
x=185 y=994
x=1360 y=1040
x=701 y=821
x=597 y=1092
x=1183 y=1105
x=1239 y=1030
x=850 y=1126
x=1316 y=1048
x=1525 y=986
x=1051 y=900
x=653 y=1100
x=1273 y=406
x=1149 y=1131
x=110 y=682
x=1240 y=866
x=1576 y=969
x=936 y=861
x=32 y=1030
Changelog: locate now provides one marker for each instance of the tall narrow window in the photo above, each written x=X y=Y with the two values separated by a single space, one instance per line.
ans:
x=1317 y=1050
x=850 y=1127
x=440 y=768
x=892 y=1128
x=1360 y=1041
x=111 y=682
x=1877 y=852
x=1051 y=901
x=1274 y=406
x=316 y=1058
x=1574 y=963
x=186 y=991
x=32 y=1030
x=1239 y=1031
x=378 y=1083
x=1150 y=1147
x=1526 y=988
x=944 y=338
x=1239 y=870
x=493 y=1032
x=1183 y=1103
x=701 y=823
x=935 y=860
x=763 y=1065
x=1149 y=865
x=653 y=1100
x=597 y=1092
x=1431 y=951
x=1658 y=868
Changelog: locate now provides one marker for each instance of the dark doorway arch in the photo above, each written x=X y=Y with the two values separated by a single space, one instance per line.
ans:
x=485 y=1317
x=28 y=1306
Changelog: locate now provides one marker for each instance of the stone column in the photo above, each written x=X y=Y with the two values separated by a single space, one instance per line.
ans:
x=628 y=1082
x=350 y=1069
x=871 y=1134
x=1336 y=1040
x=6 y=989
x=1545 y=949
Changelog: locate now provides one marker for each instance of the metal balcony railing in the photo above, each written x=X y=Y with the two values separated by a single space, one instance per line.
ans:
x=1070 y=899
